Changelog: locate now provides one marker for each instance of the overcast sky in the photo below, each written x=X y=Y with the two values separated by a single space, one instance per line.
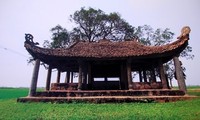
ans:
x=37 y=17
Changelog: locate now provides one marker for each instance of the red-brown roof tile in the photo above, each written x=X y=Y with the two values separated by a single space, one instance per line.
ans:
x=108 y=49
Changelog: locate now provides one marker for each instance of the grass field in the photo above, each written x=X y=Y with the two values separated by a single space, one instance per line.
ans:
x=10 y=109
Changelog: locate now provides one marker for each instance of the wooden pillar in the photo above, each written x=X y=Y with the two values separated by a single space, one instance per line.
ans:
x=34 y=80
x=72 y=76
x=162 y=75
x=48 y=81
x=125 y=76
x=85 y=70
x=89 y=76
x=122 y=77
x=145 y=75
x=140 y=75
x=179 y=74
x=80 y=75
x=58 y=76
x=153 y=75
x=67 y=77
x=129 y=76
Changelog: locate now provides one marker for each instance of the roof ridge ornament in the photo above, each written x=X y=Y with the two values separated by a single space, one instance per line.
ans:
x=185 y=31
x=29 y=39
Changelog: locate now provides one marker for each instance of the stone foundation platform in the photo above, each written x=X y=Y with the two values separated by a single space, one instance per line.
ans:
x=105 y=96
x=106 y=99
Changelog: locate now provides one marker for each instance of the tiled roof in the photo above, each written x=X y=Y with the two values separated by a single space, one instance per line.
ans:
x=108 y=49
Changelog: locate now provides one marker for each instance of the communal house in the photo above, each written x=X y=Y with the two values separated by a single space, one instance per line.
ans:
x=113 y=62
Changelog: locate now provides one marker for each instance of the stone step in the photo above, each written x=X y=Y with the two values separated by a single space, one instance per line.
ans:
x=106 y=99
x=82 y=93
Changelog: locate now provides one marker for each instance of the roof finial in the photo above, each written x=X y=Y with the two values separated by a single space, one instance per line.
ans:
x=29 y=39
x=184 y=31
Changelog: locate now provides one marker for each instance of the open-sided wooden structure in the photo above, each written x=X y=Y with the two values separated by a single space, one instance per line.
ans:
x=107 y=59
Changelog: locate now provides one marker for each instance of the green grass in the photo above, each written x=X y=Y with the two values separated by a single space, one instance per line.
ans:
x=10 y=109
x=194 y=90
x=193 y=87
x=8 y=93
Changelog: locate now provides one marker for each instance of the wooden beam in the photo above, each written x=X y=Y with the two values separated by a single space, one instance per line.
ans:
x=179 y=74
x=48 y=81
x=34 y=80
